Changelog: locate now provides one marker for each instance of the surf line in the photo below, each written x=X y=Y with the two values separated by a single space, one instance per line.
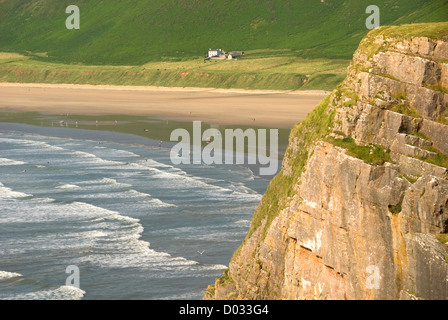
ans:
x=213 y=153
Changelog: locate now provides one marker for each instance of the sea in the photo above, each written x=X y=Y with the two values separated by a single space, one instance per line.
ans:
x=95 y=215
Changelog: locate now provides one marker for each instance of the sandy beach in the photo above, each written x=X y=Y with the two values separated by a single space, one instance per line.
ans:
x=269 y=108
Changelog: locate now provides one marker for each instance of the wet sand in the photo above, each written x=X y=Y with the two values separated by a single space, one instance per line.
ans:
x=268 y=108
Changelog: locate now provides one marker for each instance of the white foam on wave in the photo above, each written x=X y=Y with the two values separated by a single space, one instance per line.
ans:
x=242 y=223
x=44 y=200
x=151 y=260
x=129 y=194
x=237 y=188
x=93 y=234
x=185 y=296
x=214 y=267
x=60 y=293
x=142 y=199
x=98 y=211
x=126 y=250
x=114 y=239
x=169 y=173
x=10 y=162
x=136 y=194
x=241 y=188
x=68 y=187
x=147 y=164
x=8 y=275
x=213 y=190
x=159 y=203
x=151 y=163
x=117 y=153
x=93 y=158
x=47 y=209
x=8 y=193
x=103 y=184
x=123 y=248
x=113 y=182
x=35 y=145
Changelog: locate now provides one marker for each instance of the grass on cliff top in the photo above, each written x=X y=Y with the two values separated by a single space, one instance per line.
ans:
x=438 y=31
x=372 y=154
x=316 y=125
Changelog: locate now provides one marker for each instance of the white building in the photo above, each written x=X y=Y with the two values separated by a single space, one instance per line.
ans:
x=215 y=53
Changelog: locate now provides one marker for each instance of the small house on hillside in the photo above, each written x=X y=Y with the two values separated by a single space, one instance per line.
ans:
x=214 y=53
x=235 y=54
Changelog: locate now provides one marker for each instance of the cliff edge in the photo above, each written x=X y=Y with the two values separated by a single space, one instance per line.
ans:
x=360 y=207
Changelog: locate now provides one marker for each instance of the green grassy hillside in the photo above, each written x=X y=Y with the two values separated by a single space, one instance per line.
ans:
x=134 y=32
x=254 y=72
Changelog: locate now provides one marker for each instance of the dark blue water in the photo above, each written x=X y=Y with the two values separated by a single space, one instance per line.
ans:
x=136 y=226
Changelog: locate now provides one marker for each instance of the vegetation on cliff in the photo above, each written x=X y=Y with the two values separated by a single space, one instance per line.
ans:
x=318 y=125
x=315 y=126
x=364 y=183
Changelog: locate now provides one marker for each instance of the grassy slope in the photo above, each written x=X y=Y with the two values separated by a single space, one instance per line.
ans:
x=289 y=44
x=252 y=72
x=134 y=32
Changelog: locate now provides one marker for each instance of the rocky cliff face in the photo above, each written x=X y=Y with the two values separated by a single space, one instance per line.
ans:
x=360 y=208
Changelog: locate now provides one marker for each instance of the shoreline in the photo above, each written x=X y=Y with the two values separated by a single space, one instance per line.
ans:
x=268 y=108
x=159 y=88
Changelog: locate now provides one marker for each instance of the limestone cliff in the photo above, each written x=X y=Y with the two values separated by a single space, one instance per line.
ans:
x=360 y=208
